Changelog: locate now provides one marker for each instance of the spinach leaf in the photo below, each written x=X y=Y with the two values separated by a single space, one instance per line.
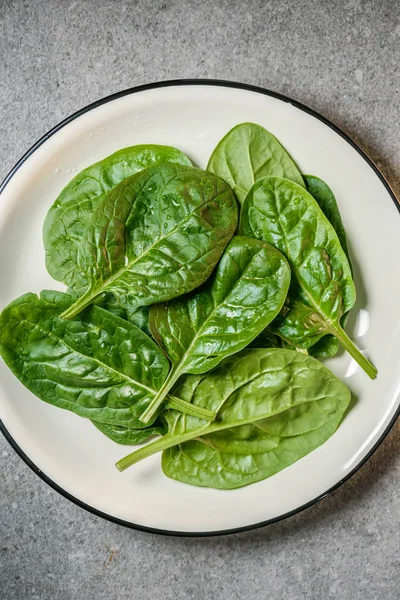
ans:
x=198 y=331
x=273 y=406
x=326 y=200
x=322 y=289
x=138 y=317
x=156 y=236
x=247 y=153
x=128 y=436
x=97 y=366
x=328 y=345
x=70 y=214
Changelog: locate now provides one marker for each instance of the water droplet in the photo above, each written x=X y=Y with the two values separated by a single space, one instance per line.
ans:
x=258 y=233
x=262 y=218
x=165 y=225
x=273 y=220
x=57 y=170
x=91 y=134
x=168 y=217
x=296 y=201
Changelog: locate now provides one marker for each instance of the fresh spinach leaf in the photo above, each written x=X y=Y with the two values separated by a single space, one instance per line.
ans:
x=326 y=200
x=322 y=289
x=139 y=316
x=97 y=366
x=128 y=436
x=328 y=345
x=70 y=214
x=247 y=153
x=273 y=406
x=156 y=236
x=196 y=332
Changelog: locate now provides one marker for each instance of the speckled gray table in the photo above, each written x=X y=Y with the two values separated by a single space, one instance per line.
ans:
x=342 y=59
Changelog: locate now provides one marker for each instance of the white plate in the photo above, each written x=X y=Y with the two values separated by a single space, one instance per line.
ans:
x=67 y=451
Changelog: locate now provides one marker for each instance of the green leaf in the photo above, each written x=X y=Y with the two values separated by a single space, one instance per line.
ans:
x=156 y=236
x=273 y=406
x=247 y=153
x=138 y=317
x=70 y=214
x=128 y=436
x=322 y=289
x=196 y=332
x=328 y=345
x=97 y=366
x=326 y=200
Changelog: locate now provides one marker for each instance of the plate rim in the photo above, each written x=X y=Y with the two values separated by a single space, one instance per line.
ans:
x=216 y=83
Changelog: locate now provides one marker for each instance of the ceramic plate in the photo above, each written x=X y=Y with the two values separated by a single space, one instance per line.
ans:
x=67 y=451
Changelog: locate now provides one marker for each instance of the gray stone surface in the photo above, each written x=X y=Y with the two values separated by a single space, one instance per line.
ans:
x=342 y=59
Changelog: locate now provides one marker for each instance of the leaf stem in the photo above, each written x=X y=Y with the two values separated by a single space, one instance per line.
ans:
x=173 y=375
x=352 y=349
x=167 y=441
x=189 y=409
x=80 y=304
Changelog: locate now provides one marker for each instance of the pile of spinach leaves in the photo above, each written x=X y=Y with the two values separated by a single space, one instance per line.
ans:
x=197 y=302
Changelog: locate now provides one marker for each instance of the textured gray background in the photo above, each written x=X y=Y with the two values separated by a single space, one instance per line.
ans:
x=342 y=59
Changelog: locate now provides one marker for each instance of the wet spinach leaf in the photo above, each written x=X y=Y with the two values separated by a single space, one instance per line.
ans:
x=70 y=214
x=247 y=153
x=128 y=436
x=273 y=405
x=156 y=236
x=196 y=332
x=322 y=289
x=97 y=366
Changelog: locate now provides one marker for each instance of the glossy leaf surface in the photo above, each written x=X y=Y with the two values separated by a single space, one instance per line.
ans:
x=273 y=407
x=246 y=293
x=98 y=366
x=322 y=289
x=247 y=153
x=156 y=236
x=70 y=214
x=127 y=436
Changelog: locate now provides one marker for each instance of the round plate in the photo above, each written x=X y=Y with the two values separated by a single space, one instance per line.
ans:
x=67 y=451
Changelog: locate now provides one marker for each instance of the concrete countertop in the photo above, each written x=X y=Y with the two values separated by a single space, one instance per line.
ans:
x=340 y=58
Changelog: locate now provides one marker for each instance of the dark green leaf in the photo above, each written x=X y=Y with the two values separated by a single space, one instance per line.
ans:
x=70 y=214
x=328 y=345
x=97 y=366
x=156 y=236
x=246 y=292
x=249 y=152
x=322 y=289
x=273 y=405
x=128 y=436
